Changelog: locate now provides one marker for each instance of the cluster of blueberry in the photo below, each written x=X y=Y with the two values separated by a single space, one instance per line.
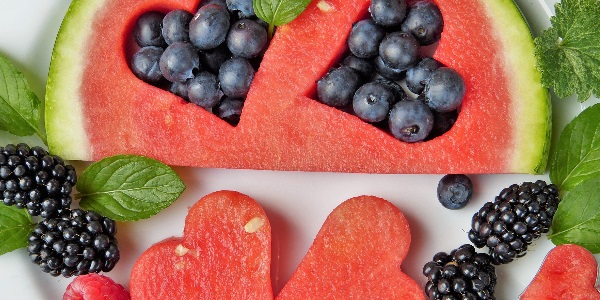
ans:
x=384 y=50
x=208 y=58
x=66 y=241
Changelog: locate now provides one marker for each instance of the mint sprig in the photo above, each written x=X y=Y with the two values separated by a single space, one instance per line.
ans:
x=15 y=227
x=20 y=108
x=278 y=12
x=576 y=156
x=577 y=220
x=569 y=52
x=128 y=187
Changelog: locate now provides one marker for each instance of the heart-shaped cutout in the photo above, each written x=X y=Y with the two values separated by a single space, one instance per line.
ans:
x=356 y=255
x=225 y=253
x=568 y=272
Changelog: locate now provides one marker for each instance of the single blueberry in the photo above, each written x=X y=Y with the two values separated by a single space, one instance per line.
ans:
x=235 y=76
x=399 y=50
x=179 y=62
x=145 y=64
x=372 y=102
x=209 y=27
x=363 y=67
x=395 y=88
x=454 y=191
x=243 y=8
x=247 y=38
x=175 y=26
x=388 y=72
x=364 y=38
x=410 y=121
x=445 y=90
x=179 y=89
x=147 y=31
x=338 y=86
x=229 y=110
x=424 y=21
x=418 y=75
x=388 y=13
x=203 y=90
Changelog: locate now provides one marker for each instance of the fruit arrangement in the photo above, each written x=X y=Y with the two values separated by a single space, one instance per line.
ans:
x=507 y=227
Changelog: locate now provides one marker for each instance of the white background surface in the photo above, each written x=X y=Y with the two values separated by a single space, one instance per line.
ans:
x=296 y=203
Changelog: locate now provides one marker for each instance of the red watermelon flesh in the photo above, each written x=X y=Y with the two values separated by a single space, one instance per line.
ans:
x=225 y=253
x=356 y=255
x=96 y=107
x=569 y=272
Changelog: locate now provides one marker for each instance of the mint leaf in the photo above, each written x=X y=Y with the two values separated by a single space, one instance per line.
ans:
x=576 y=156
x=128 y=187
x=15 y=227
x=20 y=108
x=577 y=220
x=569 y=52
x=278 y=12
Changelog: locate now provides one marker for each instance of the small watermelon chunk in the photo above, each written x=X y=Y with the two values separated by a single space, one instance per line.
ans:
x=225 y=253
x=96 y=107
x=568 y=272
x=356 y=255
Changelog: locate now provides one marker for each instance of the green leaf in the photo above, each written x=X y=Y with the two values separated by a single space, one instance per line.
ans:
x=20 y=108
x=576 y=156
x=569 y=52
x=128 y=187
x=278 y=12
x=15 y=227
x=577 y=220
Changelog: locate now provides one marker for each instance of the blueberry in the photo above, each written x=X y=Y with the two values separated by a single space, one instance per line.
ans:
x=445 y=90
x=243 y=8
x=399 y=50
x=454 y=191
x=175 y=26
x=418 y=75
x=387 y=72
x=442 y=123
x=235 y=76
x=338 y=86
x=145 y=64
x=203 y=90
x=213 y=59
x=209 y=27
x=229 y=109
x=424 y=21
x=363 y=67
x=247 y=38
x=395 y=88
x=179 y=62
x=372 y=101
x=388 y=13
x=364 y=38
x=179 y=89
x=410 y=121
x=147 y=31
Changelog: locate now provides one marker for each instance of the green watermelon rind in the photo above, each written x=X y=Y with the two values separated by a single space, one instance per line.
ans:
x=68 y=136
x=533 y=130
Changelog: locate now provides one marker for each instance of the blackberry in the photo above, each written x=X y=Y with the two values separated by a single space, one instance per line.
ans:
x=516 y=217
x=75 y=243
x=33 y=179
x=462 y=274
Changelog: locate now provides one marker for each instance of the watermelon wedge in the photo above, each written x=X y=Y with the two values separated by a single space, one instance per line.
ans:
x=568 y=272
x=225 y=253
x=96 y=107
x=356 y=255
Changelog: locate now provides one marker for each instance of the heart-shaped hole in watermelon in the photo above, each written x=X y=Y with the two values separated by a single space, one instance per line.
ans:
x=207 y=57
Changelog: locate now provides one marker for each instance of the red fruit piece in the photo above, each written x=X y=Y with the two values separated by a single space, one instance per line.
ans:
x=225 y=253
x=356 y=254
x=568 y=272
x=95 y=287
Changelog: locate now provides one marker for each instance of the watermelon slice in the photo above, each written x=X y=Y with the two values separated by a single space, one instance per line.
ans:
x=356 y=255
x=225 y=253
x=568 y=272
x=96 y=107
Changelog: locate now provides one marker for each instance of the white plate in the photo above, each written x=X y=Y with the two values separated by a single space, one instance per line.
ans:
x=297 y=203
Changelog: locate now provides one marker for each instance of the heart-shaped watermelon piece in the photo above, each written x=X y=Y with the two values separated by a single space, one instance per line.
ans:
x=225 y=253
x=96 y=107
x=569 y=272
